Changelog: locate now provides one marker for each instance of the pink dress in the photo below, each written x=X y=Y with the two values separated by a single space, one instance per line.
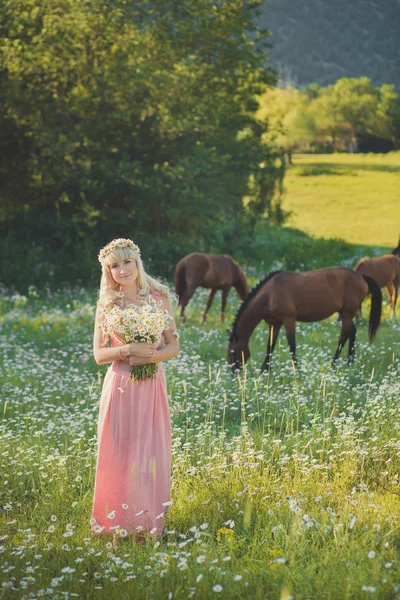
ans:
x=133 y=472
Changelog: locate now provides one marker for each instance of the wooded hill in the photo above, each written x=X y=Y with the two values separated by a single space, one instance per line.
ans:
x=322 y=41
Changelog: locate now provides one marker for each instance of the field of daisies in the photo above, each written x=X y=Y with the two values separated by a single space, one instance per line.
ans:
x=283 y=487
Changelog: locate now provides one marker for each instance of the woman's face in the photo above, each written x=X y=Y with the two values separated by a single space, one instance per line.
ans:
x=124 y=271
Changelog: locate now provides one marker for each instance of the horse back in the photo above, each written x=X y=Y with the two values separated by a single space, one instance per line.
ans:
x=314 y=295
x=195 y=267
x=384 y=269
x=215 y=271
x=222 y=271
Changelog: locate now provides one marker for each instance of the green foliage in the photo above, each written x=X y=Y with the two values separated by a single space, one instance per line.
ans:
x=290 y=122
x=325 y=196
x=388 y=115
x=272 y=248
x=67 y=258
x=331 y=117
x=130 y=115
x=347 y=108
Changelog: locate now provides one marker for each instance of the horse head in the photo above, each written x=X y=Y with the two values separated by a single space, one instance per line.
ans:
x=238 y=352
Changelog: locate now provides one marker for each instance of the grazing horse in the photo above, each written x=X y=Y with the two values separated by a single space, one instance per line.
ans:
x=386 y=272
x=284 y=297
x=218 y=272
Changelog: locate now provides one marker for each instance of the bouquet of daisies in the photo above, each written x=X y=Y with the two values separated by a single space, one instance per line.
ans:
x=144 y=323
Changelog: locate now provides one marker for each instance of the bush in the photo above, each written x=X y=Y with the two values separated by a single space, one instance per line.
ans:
x=32 y=258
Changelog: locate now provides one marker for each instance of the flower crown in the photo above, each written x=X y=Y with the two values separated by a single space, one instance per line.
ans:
x=118 y=243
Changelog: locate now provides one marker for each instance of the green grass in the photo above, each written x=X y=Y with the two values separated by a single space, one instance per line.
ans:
x=355 y=197
x=283 y=487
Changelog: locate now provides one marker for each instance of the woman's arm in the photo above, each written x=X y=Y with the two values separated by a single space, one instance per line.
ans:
x=103 y=353
x=171 y=347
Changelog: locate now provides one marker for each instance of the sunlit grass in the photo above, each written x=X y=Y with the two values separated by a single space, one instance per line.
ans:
x=350 y=196
x=283 y=486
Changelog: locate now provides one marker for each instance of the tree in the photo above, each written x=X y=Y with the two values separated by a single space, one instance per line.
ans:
x=387 y=122
x=131 y=111
x=290 y=123
x=346 y=109
x=336 y=116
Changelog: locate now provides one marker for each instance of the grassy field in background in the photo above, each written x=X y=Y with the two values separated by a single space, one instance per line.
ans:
x=355 y=197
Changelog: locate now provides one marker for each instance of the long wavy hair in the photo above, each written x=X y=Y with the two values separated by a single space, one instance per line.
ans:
x=109 y=292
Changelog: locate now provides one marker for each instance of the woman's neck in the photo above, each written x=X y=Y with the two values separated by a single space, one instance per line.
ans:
x=131 y=292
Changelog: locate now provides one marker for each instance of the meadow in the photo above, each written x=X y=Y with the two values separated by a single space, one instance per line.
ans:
x=350 y=196
x=283 y=487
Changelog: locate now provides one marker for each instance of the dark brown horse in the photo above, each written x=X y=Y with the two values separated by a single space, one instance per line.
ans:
x=284 y=297
x=217 y=272
x=386 y=272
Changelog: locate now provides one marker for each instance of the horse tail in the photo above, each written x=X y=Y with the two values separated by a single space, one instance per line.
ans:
x=180 y=278
x=376 y=306
x=241 y=283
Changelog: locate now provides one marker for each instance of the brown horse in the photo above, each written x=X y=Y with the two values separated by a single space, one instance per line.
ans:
x=284 y=297
x=218 y=272
x=386 y=272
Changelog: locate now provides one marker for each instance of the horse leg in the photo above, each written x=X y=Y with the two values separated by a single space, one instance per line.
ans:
x=272 y=338
x=347 y=325
x=290 y=327
x=396 y=284
x=225 y=292
x=209 y=302
x=352 y=341
x=187 y=294
x=392 y=290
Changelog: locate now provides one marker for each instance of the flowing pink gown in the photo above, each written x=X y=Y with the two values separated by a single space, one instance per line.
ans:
x=133 y=472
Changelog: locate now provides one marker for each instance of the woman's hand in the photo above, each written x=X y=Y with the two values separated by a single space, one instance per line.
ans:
x=141 y=350
x=138 y=360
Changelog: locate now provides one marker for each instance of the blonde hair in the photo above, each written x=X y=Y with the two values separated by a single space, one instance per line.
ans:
x=109 y=289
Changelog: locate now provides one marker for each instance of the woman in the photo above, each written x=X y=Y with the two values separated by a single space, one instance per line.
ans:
x=132 y=487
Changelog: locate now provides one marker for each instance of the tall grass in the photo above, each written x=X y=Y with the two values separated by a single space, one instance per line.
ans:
x=284 y=486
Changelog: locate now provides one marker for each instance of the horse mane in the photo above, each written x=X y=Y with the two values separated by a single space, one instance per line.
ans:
x=249 y=297
x=396 y=251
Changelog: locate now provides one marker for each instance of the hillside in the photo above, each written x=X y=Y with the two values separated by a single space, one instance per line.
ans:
x=322 y=41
